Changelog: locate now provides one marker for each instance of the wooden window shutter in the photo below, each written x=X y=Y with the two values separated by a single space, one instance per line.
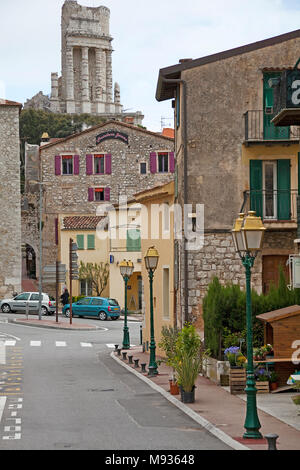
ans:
x=89 y=165
x=76 y=164
x=108 y=164
x=91 y=242
x=284 y=189
x=57 y=165
x=153 y=164
x=80 y=242
x=107 y=194
x=256 y=186
x=172 y=162
x=91 y=196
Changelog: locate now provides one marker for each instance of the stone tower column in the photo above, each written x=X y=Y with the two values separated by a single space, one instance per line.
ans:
x=54 y=101
x=100 y=80
x=109 y=80
x=85 y=94
x=70 y=103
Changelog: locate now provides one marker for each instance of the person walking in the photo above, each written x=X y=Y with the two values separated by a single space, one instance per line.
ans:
x=65 y=297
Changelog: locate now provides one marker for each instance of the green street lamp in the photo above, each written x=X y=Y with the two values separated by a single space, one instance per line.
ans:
x=248 y=234
x=151 y=262
x=126 y=270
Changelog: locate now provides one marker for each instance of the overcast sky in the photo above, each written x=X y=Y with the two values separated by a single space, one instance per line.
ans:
x=148 y=35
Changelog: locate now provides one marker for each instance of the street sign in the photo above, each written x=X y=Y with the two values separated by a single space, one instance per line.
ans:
x=49 y=274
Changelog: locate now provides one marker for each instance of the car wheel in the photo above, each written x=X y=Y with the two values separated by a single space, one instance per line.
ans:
x=6 y=308
x=44 y=311
x=67 y=313
x=102 y=316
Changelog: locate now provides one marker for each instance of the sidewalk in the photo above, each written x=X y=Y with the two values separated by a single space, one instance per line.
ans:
x=220 y=412
x=50 y=322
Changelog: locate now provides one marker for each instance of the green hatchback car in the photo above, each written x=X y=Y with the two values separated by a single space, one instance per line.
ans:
x=100 y=307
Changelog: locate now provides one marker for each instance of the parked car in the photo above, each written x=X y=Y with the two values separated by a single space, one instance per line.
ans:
x=19 y=302
x=100 y=307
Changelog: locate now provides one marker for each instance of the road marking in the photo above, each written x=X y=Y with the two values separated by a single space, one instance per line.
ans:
x=86 y=345
x=60 y=344
x=111 y=346
x=35 y=343
x=2 y=406
x=10 y=343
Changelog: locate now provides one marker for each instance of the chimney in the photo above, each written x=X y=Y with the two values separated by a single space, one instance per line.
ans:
x=183 y=61
x=45 y=138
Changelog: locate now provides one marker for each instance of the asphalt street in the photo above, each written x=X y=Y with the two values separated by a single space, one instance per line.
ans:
x=62 y=390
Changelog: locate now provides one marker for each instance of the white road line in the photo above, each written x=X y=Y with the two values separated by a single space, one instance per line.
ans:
x=86 y=345
x=2 y=352
x=2 y=406
x=60 y=344
x=10 y=343
x=111 y=346
x=35 y=343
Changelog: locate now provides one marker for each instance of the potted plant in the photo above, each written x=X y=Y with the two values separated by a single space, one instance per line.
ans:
x=296 y=398
x=273 y=381
x=258 y=354
x=187 y=361
x=262 y=377
x=168 y=345
x=235 y=357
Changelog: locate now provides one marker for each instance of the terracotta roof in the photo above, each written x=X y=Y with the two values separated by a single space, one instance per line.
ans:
x=81 y=222
x=165 y=91
x=279 y=314
x=9 y=103
x=169 y=132
x=100 y=126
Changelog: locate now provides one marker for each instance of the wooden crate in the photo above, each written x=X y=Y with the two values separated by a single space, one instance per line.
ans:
x=237 y=381
x=262 y=387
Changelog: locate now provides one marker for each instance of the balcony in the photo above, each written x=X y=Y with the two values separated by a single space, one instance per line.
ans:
x=258 y=128
x=278 y=209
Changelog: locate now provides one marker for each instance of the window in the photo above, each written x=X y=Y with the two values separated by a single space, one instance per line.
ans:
x=67 y=165
x=99 y=164
x=133 y=240
x=35 y=297
x=99 y=194
x=86 y=287
x=91 y=242
x=24 y=296
x=84 y=302
x=80 y=242
x=113 y=303
x=163 y=163
x=97 y=302
x=166 y=292
x=143 y=168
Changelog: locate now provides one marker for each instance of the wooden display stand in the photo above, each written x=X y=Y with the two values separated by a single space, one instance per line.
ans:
x=237 y=381
x=262 y=387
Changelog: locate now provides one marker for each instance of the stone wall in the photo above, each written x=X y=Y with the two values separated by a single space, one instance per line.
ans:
x=10 y=208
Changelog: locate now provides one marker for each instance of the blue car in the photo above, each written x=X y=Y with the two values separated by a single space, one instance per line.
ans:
x=99 y=307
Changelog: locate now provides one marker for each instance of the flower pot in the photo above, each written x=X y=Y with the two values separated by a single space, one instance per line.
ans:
x=187 y=397
x=273 y=386
x=174 y=389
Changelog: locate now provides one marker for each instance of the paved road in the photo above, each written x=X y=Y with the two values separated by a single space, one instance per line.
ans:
x=62 y=390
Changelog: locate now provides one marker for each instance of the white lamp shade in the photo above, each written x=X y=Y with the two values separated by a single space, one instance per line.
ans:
x=151 y=259
x=126 y=268
x=253 y=232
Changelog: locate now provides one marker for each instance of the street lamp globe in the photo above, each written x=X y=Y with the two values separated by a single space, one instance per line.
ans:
x=126 y=268
x=151 y=259
x=237 y=234
x=253 y=232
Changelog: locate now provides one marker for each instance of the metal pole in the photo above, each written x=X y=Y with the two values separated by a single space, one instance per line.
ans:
x=56 y=292
x=252 y=424
x=40 y=254
x=152 y=362
x=126 y=340
x=70 y=272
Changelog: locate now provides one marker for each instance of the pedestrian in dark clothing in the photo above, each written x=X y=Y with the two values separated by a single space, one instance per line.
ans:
x=65 y=297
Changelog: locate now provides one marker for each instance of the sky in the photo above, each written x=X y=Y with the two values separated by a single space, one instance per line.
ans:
x=148 y=36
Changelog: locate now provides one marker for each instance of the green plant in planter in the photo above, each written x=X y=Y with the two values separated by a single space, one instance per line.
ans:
x=261 y=375
x=169 y=336
x=187 y=370
x=234 y=356
x=273 y=377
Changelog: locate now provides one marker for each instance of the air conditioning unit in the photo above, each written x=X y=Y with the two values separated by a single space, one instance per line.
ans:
x=269 y=110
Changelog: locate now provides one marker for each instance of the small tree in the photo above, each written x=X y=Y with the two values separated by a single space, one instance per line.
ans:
x=96 y=273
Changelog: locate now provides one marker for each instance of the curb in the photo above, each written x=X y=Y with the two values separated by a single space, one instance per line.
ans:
x=221 y=435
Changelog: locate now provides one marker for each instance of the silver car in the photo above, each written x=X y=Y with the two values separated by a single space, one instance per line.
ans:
x=18 y=303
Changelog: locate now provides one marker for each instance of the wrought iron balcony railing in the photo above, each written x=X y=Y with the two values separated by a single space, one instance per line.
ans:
x=258 y=127
x=272 y=205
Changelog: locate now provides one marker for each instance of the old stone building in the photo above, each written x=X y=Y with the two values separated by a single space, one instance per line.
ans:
x=231 y=158
x=84 y=172
x=10 y=197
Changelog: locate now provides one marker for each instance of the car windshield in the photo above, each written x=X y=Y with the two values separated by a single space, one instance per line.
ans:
x=113 y=302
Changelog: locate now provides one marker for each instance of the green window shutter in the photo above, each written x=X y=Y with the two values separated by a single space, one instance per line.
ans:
x=256 y=186
x=91 y=242
x=80 y=242
x=133 y=240
x=272 y=132
x=283 y=189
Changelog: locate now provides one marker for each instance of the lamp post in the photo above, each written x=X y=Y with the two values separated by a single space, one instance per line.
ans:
x=126 y=270
x=248 y=234
x=151 y=262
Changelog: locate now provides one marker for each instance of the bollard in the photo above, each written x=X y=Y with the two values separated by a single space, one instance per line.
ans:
x=144 y=347
x=141 y=334
x=119 y=352
x=130 y=359
x=152 y=371
x=143 y=366
x=136 y=363
x=272 y=438
x=116 y=347
x=124 y=355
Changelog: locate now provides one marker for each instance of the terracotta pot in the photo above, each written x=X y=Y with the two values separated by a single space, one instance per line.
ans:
x=174 y=389
x=273 y=385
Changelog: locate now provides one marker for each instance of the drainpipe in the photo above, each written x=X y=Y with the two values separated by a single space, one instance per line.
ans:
x=185 y=186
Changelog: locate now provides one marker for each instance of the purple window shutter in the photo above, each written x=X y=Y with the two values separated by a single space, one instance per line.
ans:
x=91 y=195
x=107 y=194
x=172 y=162
x=76 y=164
x=89 y=164
x=108 y=164
x=57 y=165
x=153 y=165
